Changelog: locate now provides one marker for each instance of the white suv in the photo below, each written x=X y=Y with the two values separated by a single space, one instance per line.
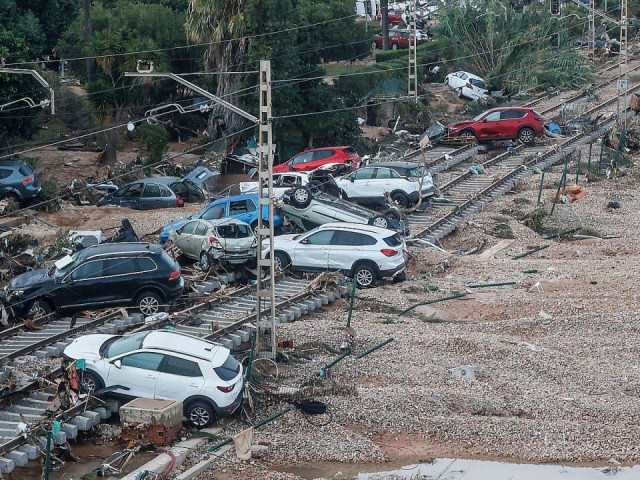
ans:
x=404 y=182
x=166 y=366
x=363 y=251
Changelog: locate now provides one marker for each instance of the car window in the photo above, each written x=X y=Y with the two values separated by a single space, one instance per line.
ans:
x=234 y=230
x=214 y=213
x=394 y=240
x=354 y=239
x=320 y=238
x=241 y=206
x=5 y=173
x=144 y=360
x=363 y=174
x=87 y=271
x=201 y=229
x=396 y=173
x=25 y=170
x=118 y=193
x=118 y=345
x=165 y=192
x=510 y=114
x=120 y=266
x=134 y=190
x=493 y=116
x=288 y=180
x=151 y=190
x=228 y=370
x=302 y=158
x=188 y=228
x=416 y=172
x=463 y=75
x=478 y=83
x=180 y=366
x=179 y=188
x=322 y=154
x=145 y=264
x=382 y=173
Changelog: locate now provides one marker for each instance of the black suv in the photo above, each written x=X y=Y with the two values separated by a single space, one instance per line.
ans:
x=108 y=275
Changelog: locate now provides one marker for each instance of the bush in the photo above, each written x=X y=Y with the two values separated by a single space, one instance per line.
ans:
x=153 y=141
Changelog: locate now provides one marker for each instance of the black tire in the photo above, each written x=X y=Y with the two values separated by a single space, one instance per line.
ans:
x=39 y=308
x=527 y=135
x=392 y=212
x=301 y=197
x=460 y=93
x=149 y=303
x=205 y=261
x=380 y=221
x=365 y=275
x=467 y=133
x=280 y=261
x=254 y=227
x=200 y=414
x=11 y=196
x=401 y=199
x=316 y=187
x=343 y=195
x=394 y=46
x=91 y=381
x=401 y=277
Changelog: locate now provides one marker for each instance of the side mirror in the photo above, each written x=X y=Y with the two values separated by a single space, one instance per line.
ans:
x=117 y=363
x=304 y=242
x=351 y=179
x=484 y=121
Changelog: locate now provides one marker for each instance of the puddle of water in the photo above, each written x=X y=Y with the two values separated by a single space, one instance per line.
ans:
x=459 y=469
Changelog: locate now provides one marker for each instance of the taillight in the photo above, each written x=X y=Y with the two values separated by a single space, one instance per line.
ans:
x=468 y=85
x=29 y=179
x=226 y=389
x=388 y=252
x=179 y=202
x=175 y=275
x=214 y=242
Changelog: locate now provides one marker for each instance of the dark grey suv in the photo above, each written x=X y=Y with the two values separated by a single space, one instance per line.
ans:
x=18 y=181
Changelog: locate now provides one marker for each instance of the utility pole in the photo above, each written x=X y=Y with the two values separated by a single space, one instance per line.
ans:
x=412 y=89
x=88 y=35
x=592 y=30
x=265 y=174
x=384 y=11
x=623 y=70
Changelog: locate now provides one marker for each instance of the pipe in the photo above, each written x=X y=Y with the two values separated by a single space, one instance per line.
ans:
x=562 y=234
x=540 y=190
x=527 y=253
x=323 y=372
x=428 y=302
x=374 y=348
x=353 y=296
x=483 y=285
x=533 y=270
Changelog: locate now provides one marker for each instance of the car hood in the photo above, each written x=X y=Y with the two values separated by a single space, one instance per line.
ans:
x=87 y=347
x=281 y=240
x=33 y=279
x=458 y=125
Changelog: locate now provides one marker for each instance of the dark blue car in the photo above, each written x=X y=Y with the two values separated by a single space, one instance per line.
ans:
x=242 y=207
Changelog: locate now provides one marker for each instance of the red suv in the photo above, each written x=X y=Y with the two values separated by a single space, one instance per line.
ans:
x=394 y=16
x=524 y=124
x=314 y=158
x=396 y=40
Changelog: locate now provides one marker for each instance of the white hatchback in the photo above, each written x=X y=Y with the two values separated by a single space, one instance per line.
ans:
x=166 y=366
x=281 y=183
x=467 y=85
x=362 y=251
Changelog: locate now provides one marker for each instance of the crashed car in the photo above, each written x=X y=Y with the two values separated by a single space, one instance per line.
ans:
x=308 y=209
x=214 y=242
x=281 y=183
x=508 y=123
x=163 y=365
x=467 y=85
x=155 y=192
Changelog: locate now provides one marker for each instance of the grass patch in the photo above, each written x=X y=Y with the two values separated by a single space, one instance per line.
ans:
x=339 y=69
x=503 y=230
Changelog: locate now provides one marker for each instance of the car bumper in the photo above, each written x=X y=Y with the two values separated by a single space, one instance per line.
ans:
x=426 y=192
x=232 y=407
x=393 y=271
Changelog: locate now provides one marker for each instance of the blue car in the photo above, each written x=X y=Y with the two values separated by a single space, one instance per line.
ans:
x=242 y=207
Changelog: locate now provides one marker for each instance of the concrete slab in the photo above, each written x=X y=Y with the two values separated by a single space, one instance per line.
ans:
x=103 y=412
x=32 y=451
x=93 y=416
x=20 y=459
x=70 y=430
x=83 y=423
x=6 y=465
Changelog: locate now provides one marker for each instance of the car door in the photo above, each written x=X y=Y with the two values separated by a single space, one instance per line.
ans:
x=380 y=183
x=84 y=286
x=511 y=121
x=198 y=237
x=215 y=211
x=344 y=250
x=489 y=126
x=458 y=80
x=168 y=197
x=151 y=198
x=138 y=374
x=131 y=196
x=312 y=252
x=359 y=183
x=184 y=236
x=178 y=379
x=319 y=158
x=300 y=161
x=123 y=275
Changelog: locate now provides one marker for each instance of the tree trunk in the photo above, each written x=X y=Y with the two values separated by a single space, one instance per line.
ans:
x=384 y=6
x=88 y=35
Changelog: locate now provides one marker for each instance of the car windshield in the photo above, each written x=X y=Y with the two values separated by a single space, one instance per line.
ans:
x=416 y=172
x=479 y=117
x=118 y=345
x=228 y=370
x=478 y=83
x=234 y=230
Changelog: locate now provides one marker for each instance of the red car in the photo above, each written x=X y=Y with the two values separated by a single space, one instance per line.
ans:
x=316 y=157
x=524 y=124
x=396 y=40
x=395 y=17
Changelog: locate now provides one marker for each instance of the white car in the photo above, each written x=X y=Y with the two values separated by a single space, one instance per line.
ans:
x=281 y=183
x=421 y=36
x=223 y=241
x=467 y=85
x=362 y=251
x=404 y=182
x=166 y=366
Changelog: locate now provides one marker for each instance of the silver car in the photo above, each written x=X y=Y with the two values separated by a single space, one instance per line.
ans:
x=216 y=242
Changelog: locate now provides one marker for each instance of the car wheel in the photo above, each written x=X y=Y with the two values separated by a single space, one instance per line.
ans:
x=527 y=135
x=91 y=381
x=280 y=261
x=11 y=196
x=400 y=199
x=401 y=277
x=394 y=46
x=301 y=197
x=460 y=93
x=380 y=221
x=39 y=308
x=467 y=134
x=254 y=227
x=205 y=261
x=365 y=275
x=149 y=303
x=200 y=414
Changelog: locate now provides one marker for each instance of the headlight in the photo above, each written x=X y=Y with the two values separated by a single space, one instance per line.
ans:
x=254 y=244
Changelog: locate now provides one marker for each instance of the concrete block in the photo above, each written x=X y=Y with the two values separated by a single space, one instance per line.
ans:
x=20 y=459
x=93 y=416
x=103 y=412
x=32 y=451
x=112 y=404
x=53 y=350
x=147 y=411
x=60 y=438
x=83 y=423
x=42 y=354
x=70 y=430
x=6 y=465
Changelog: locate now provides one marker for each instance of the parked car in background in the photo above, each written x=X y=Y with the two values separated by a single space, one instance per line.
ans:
x=308 y=210
x=365 y=252
x=281 y=183
x=156 y=192
x=397 y=39
x=226 y=241
x=241 y=207
x=421 y=35
x=394 y=16
x=508 y=123
x=404 y=182
x=138 y=275
x=165 y=366
x=317 y=157
x=467 y=85
x=18 y=181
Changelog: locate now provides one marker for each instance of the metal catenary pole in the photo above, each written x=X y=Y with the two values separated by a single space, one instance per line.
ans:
x=265 y=292
x=412 y=88
x=623 y=70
